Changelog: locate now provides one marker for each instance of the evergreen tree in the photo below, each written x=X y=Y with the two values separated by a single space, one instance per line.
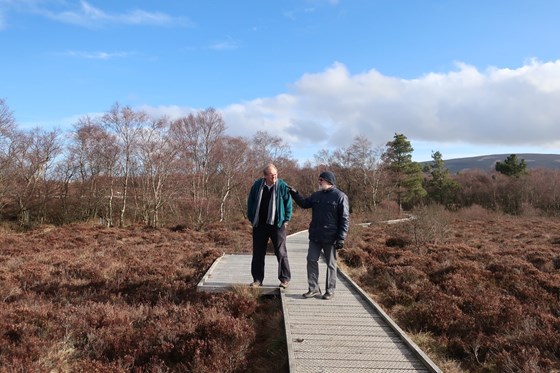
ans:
x=512 y=166
x=406 y=174
x=440 y=187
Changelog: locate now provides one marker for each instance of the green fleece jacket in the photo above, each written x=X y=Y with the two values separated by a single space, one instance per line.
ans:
x=283 y=202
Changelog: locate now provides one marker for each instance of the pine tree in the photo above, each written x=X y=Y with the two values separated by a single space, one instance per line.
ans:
x=512 y=166
x=406 y=174
x=440 y=187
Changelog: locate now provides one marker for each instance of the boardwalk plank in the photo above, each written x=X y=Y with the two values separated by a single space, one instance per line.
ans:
x=325 y=364
x=356 y=370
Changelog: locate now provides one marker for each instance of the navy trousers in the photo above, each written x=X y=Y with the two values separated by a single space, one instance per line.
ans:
x=261 y=235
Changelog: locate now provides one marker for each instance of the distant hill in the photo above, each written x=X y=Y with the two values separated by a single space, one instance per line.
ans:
x=488 y=162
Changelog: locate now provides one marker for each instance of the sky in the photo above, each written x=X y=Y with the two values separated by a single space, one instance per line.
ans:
x=462 y=77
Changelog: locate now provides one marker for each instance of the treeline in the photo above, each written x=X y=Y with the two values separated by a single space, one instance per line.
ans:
x=127 y=167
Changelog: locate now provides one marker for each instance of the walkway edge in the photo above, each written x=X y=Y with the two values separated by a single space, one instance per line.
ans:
x=291 y=354
x=413 y=346
x=209 y=271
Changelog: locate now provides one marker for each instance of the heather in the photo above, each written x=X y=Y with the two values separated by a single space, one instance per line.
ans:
x=90 y=298
x=479 y=290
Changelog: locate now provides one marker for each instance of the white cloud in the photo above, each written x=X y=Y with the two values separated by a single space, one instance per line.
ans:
x=228 y=44
x=172 y=112
x=97 y=55
x=314 y=5
x=278 y=115
x=65 y=123
x=86 y=15
x=495 y=108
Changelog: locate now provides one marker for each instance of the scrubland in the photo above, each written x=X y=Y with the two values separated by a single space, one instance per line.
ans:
x=83 y=298
x=478 y=291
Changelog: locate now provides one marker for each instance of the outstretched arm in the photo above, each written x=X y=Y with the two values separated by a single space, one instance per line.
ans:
x=299 y=199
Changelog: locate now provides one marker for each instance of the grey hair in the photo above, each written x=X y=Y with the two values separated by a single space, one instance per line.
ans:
x=269 y=167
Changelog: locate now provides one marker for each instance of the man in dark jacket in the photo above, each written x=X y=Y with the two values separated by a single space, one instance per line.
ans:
x=328 y=229
x=269 y=208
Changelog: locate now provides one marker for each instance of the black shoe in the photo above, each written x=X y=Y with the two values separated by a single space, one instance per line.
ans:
x=328 y=295
x=311 y=293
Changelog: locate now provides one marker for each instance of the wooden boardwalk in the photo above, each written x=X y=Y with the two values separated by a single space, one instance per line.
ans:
x=348 y=333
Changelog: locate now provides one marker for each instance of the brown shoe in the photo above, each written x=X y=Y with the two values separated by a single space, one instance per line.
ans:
x=311 y=293
x=284 y=284
x=255 y=284
x=328 y=295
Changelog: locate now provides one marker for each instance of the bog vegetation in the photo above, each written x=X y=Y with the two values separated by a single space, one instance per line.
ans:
x=107 y=229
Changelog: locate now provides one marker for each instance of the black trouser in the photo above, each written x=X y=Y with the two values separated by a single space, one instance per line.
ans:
x=261 y=235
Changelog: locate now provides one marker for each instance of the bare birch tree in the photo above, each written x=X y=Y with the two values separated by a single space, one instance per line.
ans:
x=234 y=155
x=93 y=153
x=358 y=169
x=198 y=137
x=367 y=170
x=33 y=156
x=267 y=148
x=126 y=125
x=7 y=132
x=110 y=154
x=158 y=160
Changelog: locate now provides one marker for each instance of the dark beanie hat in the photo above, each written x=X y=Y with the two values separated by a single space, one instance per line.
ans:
x=328 y=176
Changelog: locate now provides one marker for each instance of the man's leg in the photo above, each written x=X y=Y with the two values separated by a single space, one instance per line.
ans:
x=313 y=253
x=260 y=239
x=278 y=237
x=330 y=258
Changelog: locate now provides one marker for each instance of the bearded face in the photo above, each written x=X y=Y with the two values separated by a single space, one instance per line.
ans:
x=322 y=184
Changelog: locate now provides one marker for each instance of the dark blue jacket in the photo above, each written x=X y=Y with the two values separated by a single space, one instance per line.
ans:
x=330 y=215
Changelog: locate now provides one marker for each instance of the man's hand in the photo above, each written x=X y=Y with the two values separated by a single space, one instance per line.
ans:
x=338 y=244
x=291 y=190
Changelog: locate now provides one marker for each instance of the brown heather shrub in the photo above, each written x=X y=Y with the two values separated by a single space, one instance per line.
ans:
x=489 y=294
x=525 y=359
x=397 y=242
x=269 y=352
x=555 y=240
x=477 y=213
x=83 y=298
x=436 y=312
x=429 y=225
x=353 y=256
x=226 y=353
x=379 y=279
x=387 y=210
x=232 y=236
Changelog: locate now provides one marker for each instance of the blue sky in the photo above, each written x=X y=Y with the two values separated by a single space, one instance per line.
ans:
x=464 y=78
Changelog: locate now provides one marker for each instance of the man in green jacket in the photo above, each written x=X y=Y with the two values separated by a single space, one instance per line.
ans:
x=269 y=208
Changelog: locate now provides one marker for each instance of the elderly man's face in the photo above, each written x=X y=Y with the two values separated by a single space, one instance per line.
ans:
x=323 y=184
x=271 y=176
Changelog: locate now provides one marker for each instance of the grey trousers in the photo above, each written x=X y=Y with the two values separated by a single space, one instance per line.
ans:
x=313 y=254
